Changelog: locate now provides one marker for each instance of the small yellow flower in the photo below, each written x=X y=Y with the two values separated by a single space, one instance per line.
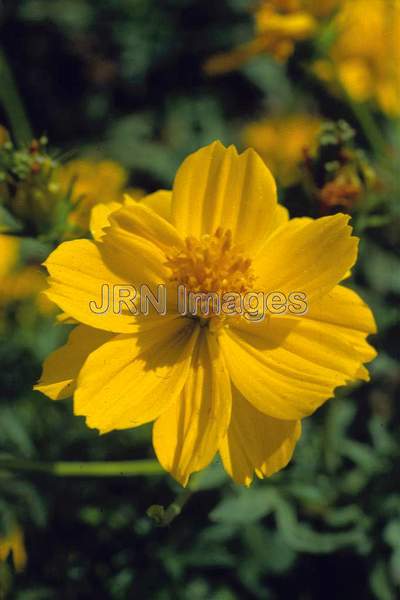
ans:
x=4 y=135
x=212 y=383
x=93 y=182
x=279 y=24
x=16 y=283
x=14 y=542
x=9 y=253
x=282 y=24
x=365 y=56
x=281 y=143
x=323 y=9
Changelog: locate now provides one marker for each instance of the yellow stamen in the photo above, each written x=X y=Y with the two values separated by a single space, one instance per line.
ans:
x=212 y=263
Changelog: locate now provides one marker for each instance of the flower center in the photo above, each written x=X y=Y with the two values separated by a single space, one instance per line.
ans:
x=212 y=264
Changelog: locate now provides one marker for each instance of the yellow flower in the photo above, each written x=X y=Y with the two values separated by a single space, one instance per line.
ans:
x=281 y=143
x=279 y=24
x=92 y=182
x=14 y=542
x=9 y=253
x=4 y=135
x=213 y=383
x=324 y=8
x=19 y=282
x=16 y=283
x=365 y=56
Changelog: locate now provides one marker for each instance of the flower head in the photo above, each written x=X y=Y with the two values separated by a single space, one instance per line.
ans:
x=14 y=542
x=281 y=142
x=4 y=135
x=17 y=283
x=223 y=383
x=279 y=25
x=9 y=253
x=92 y=182
x=365 y=55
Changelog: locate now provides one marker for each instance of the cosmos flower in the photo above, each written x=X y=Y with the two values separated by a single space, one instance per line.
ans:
x=365 y=55
x=281 y=142
x=4 y=135
x=17 y=282
x=212 y=383
x=14 y=542
x=279 y=25
x=92 y=182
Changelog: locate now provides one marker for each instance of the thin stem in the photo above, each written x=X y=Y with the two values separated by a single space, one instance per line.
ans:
x=363 y=114
x=369 y=126
x=164 y=516
x=84 y=469
x=361 y=111
x=12 y=103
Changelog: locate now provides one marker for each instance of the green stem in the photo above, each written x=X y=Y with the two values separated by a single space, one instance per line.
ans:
x=361 y=111
x=369 y=126
x=11 y=101
x=164 y=516
x=84 y=469
x=364 y=117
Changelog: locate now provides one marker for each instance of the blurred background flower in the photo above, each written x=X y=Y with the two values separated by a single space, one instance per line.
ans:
x=13 y=543
x=89 y=182
x=278 y=26
x=18 y=281
x=282 y=143
x=365 y=53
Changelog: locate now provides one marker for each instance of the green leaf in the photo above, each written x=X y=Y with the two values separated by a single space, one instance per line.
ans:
x=8 y=223
x=212 y=477
x=380 y=582
x=382 y=268
x=245 y=506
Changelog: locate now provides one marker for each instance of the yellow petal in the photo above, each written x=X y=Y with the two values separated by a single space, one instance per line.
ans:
x=356 y=76
x=65 y=319
x=133 y=224
x=217 y=187
x=187 y=435
x=160 y=202
x=342 y=315
x=78 y=271
x=281 y=216
x=234 y=59
x=132 y=379
x=99 y=218
x=136 y=230
x=61 y=368
x=297 y=26
x=309 y=256
x=343 y=307
x=9 y=253
x=4 y=135
x=255 y=442
x=14 y=542
x=277 y=383
x=288 y=367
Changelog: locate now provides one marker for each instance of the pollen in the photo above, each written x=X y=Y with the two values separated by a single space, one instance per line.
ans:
x=212 y=263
